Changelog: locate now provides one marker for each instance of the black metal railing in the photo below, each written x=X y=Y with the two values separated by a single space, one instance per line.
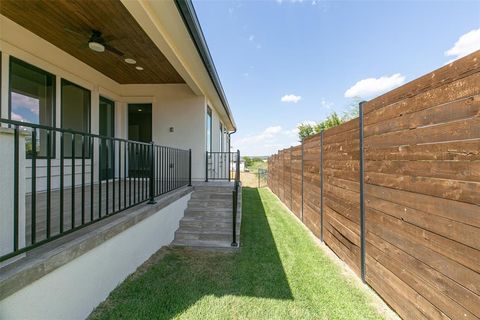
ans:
x=91 y=177
x=235 y=195
x=220 y=165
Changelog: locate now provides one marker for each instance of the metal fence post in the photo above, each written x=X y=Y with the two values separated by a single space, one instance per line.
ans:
x=362 y=196
x=152 y=174
x=321 y=186
x=302 y=180
x=189 y=167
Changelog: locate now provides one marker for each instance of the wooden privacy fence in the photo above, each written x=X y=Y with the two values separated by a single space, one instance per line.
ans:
x=395 y=193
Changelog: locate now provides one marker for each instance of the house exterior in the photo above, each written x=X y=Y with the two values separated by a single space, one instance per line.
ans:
x=104 y=105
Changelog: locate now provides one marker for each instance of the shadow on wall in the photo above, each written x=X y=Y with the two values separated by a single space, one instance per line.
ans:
x=256 y=271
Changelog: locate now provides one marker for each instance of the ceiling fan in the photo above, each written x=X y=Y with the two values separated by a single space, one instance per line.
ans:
x=96 y=42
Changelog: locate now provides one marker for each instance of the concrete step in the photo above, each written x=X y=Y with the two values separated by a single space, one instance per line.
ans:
x=212 y=215
x=203 y=243
x=198 y=230
x=208 y=209
x=212 y=196
x=207 y=221
x=210 y=202
x=217 y=189
x=203 y=236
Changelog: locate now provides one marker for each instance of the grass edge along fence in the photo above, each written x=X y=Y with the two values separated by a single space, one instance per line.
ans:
x=395 y=193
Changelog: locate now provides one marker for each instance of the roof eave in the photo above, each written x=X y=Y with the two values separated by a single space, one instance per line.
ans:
x=189 y=16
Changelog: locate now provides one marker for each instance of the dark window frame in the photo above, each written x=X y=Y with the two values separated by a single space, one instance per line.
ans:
x=25 y=64
x=63 y=82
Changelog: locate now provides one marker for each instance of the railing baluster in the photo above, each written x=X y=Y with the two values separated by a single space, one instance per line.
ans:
x=72 y=218
x=92 y=177
x=49 y=181
x=119 y=175
x=107 y=173
x=125 y=174
x=112 y=143
x=62 y=173
x=83 y=179
x=33 y=197
x=16 y=200
x=135 y=171
x=100 y=143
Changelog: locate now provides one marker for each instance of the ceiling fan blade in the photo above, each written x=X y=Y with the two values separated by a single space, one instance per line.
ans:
x=75 y=32
x=114 y=50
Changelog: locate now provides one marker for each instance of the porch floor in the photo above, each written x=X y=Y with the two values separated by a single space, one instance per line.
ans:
x=280 y=272
x=77 y=211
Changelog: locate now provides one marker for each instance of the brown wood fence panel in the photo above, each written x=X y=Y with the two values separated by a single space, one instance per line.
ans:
x=287 y=178
x=281 y=175
x=311 y=184
x=341 y=193
x=297 y=181
x=421 y=192
x=422 y=197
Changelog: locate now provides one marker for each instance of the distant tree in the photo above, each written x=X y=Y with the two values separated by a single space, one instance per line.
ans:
x=248 y=161
x=352 y=111
x=308 y=129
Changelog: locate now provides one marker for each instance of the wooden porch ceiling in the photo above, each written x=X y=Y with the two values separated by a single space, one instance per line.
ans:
x=69 y=25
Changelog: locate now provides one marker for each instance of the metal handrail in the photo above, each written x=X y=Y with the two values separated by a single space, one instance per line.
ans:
x=235 y=195
x=122 y=174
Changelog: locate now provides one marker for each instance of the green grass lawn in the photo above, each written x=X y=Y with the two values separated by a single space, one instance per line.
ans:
x=257 y=165
x=279 y=273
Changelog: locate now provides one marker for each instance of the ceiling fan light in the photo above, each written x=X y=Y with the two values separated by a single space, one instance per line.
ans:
x=130 y=61
x=96 y=46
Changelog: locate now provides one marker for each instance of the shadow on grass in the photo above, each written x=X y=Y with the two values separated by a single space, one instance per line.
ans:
x=165 y=288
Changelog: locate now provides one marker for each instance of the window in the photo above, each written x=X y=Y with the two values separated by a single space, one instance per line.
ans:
x=209 y=129
x=75 y=116
x=32 y=100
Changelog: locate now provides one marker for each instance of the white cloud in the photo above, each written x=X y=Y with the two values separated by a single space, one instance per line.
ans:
x=371 y=87
x=251 y=38
x=290 y=98
x=17 y=117
x=326 y=104
x=266 y=142
x=26 y=102
x=466 y=44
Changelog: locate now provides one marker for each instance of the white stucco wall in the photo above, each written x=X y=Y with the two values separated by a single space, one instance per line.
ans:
x=174 y=105
x=7 y=191
x=75 y=289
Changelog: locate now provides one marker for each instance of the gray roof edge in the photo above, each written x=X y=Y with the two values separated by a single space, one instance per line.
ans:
x=189 y=16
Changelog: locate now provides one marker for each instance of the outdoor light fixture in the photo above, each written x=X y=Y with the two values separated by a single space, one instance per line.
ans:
x=139 y=68
x=130 y=61
x=96 y=46
x=139 y=109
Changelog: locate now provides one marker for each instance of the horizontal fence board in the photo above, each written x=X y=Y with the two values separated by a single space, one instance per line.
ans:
x=448 y=112
x=465 y=191
x=452 y=131
x=452 y=170
x=456 y=150
x=449 y=73
x=436 y=281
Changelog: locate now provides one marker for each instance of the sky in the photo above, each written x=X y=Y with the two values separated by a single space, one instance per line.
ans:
x=287 y=62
